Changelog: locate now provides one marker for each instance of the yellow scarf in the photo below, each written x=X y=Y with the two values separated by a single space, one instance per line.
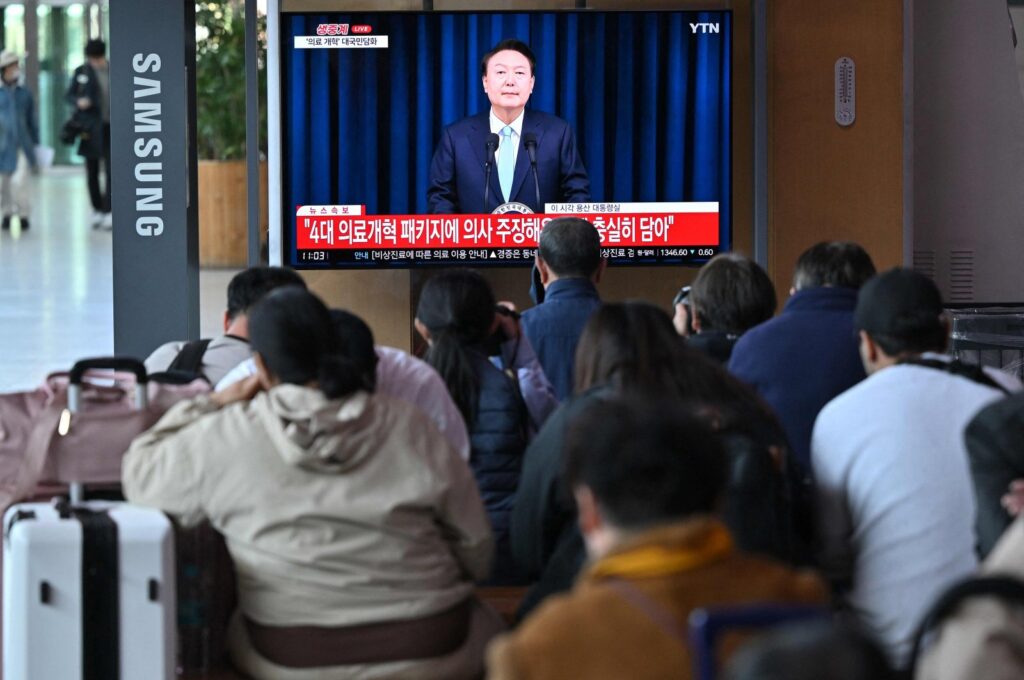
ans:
x=707 y=544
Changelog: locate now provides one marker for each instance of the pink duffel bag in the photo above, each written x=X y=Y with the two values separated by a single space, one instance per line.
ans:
x=75 y=427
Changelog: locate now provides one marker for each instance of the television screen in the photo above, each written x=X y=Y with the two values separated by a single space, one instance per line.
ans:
x=440 y=138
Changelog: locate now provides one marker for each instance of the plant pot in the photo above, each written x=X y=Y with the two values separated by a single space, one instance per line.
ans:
x=223 y=228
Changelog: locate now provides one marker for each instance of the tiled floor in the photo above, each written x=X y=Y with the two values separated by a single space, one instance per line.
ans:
x=56 y=286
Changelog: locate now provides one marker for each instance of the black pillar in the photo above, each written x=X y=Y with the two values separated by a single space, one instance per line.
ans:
x=153 y=125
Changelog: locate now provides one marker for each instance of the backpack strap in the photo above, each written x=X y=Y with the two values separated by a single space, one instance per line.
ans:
x=972 y=372
x=656 y=612
x=190 y=358
x=1007 y=589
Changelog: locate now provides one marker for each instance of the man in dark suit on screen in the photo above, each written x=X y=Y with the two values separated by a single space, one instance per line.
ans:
x=459 y=167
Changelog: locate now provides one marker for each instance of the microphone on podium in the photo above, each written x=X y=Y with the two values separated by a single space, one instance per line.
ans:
x=490 y=146
x=530 y=142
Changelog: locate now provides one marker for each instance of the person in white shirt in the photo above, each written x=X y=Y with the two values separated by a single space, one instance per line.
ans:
x=895 y=503
x=398 y=375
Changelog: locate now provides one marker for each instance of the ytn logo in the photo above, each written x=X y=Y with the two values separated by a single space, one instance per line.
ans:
x=704 y=27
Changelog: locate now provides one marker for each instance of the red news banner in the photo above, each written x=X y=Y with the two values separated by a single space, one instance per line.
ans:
x=636 y=225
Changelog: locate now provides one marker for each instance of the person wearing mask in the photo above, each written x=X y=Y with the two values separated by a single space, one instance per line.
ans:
x=19 y=135
x=356 y=531
x=89 y=96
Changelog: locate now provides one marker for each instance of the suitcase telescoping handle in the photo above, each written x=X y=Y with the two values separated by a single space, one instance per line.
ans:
x=78 y=371
x=127 y=364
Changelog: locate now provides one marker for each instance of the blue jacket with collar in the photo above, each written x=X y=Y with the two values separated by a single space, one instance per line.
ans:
x=802 y=359
x=554 y=328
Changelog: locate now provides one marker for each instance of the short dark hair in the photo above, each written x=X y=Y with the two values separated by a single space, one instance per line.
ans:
x=570 y=247
x=509 y=44
x=732 y=294
x=811 y=651
x=292 y=331
x=902 y=312
x=356 y=340
x=250 y=285
x=646 y=462
x=839 y=264
x=95 y=48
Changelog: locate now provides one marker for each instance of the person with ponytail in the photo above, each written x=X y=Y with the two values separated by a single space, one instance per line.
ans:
x=356 y=530
x=458 y=317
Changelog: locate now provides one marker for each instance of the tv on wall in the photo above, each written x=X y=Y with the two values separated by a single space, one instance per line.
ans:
x=408 y=139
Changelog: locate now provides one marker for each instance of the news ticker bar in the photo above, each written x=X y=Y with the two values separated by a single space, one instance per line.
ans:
x=510 y=230
x=401 y=257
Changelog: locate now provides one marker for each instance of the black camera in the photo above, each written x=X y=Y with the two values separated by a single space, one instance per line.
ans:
x=498 y=337
x=683 y=298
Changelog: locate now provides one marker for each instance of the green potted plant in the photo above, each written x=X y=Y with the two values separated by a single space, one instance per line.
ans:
x=220 y=130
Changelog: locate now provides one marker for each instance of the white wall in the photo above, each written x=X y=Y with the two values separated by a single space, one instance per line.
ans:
x=968 y=149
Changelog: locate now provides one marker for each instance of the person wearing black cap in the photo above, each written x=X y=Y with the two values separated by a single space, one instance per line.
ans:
x=895 y=503
x=89 y=96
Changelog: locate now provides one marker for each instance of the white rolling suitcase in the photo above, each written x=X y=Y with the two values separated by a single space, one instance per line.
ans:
x=88 y=592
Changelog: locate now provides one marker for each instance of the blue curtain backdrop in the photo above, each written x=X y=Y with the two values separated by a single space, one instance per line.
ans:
x=648 y=98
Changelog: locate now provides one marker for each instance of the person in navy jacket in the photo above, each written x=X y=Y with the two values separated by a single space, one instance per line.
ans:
x=458 y=169
x=808 y=355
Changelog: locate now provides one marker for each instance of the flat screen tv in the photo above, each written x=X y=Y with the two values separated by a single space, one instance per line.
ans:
x=409 y=139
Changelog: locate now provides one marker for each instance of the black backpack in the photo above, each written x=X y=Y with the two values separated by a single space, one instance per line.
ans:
x=187 y=365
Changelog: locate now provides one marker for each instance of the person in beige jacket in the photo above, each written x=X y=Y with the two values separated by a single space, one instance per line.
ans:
x=356 y=530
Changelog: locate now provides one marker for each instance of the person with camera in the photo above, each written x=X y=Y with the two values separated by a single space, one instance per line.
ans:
x=503 y=406
x=19 y=135
x=89 y=95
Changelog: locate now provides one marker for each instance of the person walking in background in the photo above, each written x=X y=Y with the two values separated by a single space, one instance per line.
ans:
x=19 y=133
x=89 y=94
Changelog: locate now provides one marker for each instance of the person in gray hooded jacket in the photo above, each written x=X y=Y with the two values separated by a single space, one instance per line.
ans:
x=355 y=528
